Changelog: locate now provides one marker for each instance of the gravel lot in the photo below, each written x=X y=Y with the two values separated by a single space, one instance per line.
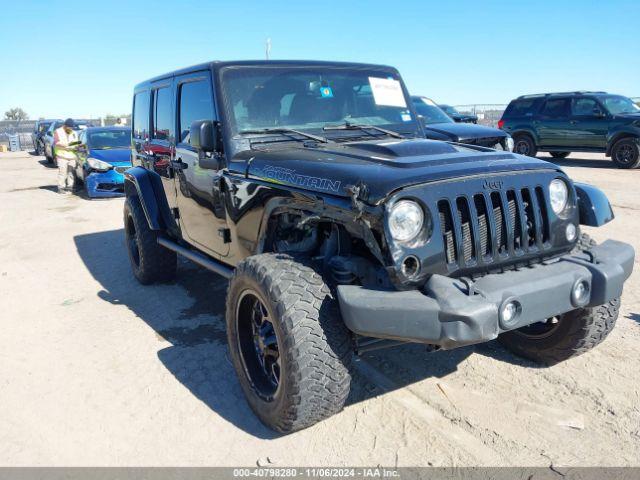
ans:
x=98 y=370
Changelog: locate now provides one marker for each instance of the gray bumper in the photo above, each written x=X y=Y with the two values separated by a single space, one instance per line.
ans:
x=449 y=314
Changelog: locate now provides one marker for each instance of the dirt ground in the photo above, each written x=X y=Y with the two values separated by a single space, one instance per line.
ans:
x=98 y=370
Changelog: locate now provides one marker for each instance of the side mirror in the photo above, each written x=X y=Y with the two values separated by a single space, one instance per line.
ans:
x=203 y=136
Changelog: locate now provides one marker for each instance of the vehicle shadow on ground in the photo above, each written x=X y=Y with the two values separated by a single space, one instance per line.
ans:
x=634 y=316
x=46 y=164
x=189 y=315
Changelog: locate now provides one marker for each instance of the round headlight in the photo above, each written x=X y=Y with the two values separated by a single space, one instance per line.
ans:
x=405 y=220
x=509 y=143
x=558 y=195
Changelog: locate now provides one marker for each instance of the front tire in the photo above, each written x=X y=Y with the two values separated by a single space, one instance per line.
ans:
x=626 y=153
x=567 y=335
x=559 y=154
x=150 y=262
x=288 y=345
x=524 y=145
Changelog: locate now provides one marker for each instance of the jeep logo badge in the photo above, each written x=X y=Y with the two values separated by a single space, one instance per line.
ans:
x=492 y=184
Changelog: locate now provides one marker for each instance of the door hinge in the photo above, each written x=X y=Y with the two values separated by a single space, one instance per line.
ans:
x=225 y=234
x=176 y=213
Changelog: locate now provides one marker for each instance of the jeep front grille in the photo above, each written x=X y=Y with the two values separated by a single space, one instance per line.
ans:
x=493 y=228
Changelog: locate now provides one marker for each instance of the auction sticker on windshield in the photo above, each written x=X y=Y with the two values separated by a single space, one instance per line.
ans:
x=387 y=92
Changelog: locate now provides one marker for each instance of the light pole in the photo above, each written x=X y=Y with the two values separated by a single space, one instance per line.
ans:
x=268 y=47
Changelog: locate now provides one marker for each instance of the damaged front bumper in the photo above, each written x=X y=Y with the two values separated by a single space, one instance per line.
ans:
x=451 y=312
x=106 y=184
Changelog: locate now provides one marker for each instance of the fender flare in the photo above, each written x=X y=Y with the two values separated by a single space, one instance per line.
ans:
x=525 y=131
x=593 y=205
x=147 y=186
x=619 y=134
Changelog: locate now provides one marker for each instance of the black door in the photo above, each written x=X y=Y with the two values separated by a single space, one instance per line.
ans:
x=161 y=146
x=202 y=215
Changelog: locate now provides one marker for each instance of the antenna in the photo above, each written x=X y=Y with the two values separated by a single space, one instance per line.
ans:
x=268 y=47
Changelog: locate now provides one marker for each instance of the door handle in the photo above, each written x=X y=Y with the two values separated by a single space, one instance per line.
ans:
x=573 y=122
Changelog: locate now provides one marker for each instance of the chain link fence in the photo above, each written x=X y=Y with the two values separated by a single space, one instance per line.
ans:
x=488 y=114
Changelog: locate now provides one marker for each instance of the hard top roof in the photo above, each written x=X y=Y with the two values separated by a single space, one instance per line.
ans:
x=217 y=65
x=577 y=92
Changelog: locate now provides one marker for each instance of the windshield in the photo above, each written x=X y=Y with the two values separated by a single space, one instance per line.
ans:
x=311 y=97
x=104 y=139
x=449 y=109
x=617 y=104
x=429 y=111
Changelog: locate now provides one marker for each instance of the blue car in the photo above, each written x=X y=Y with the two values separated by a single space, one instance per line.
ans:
x=103 y=155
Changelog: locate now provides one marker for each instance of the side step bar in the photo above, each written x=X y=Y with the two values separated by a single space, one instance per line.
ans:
x=199 y=258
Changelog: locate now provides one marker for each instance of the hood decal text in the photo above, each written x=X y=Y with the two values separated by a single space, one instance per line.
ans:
x=289 y=176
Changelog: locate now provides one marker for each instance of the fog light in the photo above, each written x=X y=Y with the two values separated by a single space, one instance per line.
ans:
x=580 y=293
x=509 y=313
x=410 y=266
x=571 y=232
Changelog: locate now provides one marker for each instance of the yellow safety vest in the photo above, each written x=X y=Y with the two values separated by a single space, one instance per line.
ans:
x=62 y=139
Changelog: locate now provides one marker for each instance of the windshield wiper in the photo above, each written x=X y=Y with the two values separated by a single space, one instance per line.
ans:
x=285 y=131
x=356 y=126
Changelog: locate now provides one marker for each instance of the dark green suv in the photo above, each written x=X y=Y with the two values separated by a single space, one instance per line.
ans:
x=561 y=123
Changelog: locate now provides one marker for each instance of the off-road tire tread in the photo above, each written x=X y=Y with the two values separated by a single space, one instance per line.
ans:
x=157 y=263
x=636 y=162
x=317 y=346
x=585 y=242
x=587 y=328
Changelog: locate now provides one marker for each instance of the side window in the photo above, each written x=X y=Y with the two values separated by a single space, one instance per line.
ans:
x=162 y=118
x=583 y=107
x=195 y=104
x=555 y=108
x=141 y=115
x=520 y=108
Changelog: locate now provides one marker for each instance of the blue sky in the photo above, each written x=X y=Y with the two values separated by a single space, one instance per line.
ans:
x=453 y=51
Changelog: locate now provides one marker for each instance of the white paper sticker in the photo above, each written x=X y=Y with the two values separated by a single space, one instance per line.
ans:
x=387 y=91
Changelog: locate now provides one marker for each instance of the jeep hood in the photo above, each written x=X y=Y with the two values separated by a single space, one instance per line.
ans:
x=464 y=131
x=382 y=167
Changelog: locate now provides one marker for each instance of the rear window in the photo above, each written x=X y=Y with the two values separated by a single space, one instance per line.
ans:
x=524 y=107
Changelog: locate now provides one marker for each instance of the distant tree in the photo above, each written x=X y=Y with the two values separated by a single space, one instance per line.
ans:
x=16 y=114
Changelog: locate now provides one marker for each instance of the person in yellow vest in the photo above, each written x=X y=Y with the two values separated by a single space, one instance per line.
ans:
x=65 y=141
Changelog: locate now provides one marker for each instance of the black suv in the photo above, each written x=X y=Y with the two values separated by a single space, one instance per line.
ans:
x=341 y=229
x=439 y=126
x=561 y=123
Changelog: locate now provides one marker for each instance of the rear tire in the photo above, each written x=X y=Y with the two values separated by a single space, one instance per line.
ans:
x=288 y=345
x=150 y=262
x=559 y=154
x=626 y=153
x=524 y=145
x=575 y=332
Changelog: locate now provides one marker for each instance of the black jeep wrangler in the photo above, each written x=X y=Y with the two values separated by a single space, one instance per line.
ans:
x=310 y=186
